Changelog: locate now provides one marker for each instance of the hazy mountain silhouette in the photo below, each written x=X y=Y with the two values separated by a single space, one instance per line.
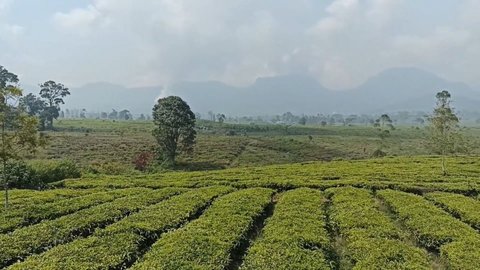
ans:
x=405 y=89
x=266 y=96
x=391 y=90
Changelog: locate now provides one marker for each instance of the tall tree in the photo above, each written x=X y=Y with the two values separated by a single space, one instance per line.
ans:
x=445 y=136
x=53 y=93
x=174 y=128
x=18 y=130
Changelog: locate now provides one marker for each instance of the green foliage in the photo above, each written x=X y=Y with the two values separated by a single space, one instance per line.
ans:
x=174 y=128
x=19 y=217
x=251 y=146
x=462 y=255
x=18 y=130
x=53 y=93
x=23 y=198
x=445 y=136
x=36 y=238
x=465 y=208
x=431 y=226
x=33 y=105
x=109 y=168
x=22 y=175
x=458 y=243
x=372 y=239
x=89 y=229
x=122 y=242
x=37 y=174
x=52 y=171
x=410 y=174
x=207 y=242
x=295 y=237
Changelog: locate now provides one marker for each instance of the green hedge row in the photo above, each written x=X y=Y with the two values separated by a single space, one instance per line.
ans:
x=465 y=208
x=21 y=198
x=267 y=180
x=372 y=241
x=42 y=236
x=459 y=244
x=295 y=237
x=208 y=242
x=122 y=242
x=19 y=217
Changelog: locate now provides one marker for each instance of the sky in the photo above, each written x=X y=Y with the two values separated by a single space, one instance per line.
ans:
x=341 y=43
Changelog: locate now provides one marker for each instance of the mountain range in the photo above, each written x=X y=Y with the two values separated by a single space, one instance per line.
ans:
x=395 y=89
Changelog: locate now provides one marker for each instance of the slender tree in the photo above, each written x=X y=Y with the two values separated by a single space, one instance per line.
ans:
x=445 y=136
x=174 y=128
x=18 y=130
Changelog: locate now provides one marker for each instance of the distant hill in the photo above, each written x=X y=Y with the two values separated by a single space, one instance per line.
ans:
x=406 y=89
x=391 y=90
x=271 y=95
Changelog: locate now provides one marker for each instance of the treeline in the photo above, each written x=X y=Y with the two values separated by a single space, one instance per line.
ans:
x=112 y=115
x=336 y=119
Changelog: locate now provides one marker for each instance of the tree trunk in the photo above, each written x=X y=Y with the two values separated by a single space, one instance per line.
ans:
x=5 y=183
x=444 y=167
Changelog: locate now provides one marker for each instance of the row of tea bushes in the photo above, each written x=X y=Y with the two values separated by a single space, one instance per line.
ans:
x=123 y=242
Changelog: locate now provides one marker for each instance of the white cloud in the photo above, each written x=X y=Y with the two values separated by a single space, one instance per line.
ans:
x=8 y=32
x=4 y=4
x=340 y=12
x=340 y=42
x=80 y=19
x=11 y=31
x=433 y=45
x=381 y=11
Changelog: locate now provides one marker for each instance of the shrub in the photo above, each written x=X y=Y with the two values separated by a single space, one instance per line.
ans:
x=52 y=171
x=37 y=174
x=109 y=168
x=379 y=153
x=143 y=161
x=20 y=175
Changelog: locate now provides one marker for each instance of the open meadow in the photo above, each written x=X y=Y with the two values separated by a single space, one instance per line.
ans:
x=110 y=147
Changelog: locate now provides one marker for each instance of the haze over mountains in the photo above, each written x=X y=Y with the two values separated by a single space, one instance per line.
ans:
x=392 y=90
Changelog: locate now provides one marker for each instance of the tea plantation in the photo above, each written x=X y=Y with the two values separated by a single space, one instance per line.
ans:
x=390 y=213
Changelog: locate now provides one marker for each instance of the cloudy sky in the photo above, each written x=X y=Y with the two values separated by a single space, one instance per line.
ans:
x=151 y=42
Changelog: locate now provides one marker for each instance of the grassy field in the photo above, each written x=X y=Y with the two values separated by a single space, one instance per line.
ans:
x=110 y=147
x=387 y=213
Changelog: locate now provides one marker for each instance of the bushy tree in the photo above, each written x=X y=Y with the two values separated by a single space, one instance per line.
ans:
x=53 y=93
x=174 y=128
x=18 y=130
x=32 y=104
x=125 y=115
x=445 y=137
x=221 y=118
